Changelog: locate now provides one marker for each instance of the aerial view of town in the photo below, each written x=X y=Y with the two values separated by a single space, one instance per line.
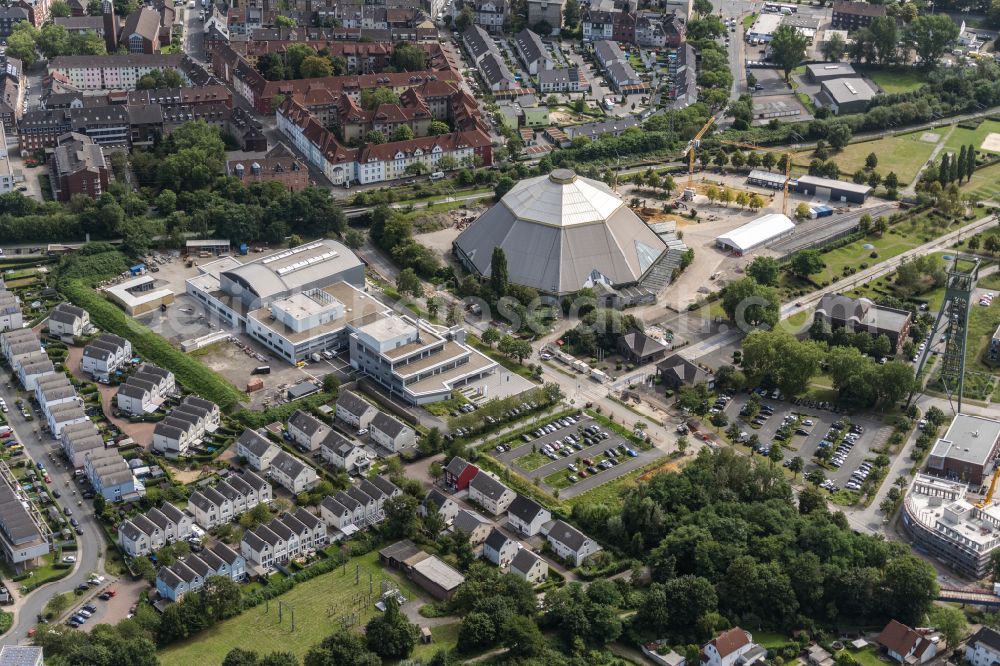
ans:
x=500 y=332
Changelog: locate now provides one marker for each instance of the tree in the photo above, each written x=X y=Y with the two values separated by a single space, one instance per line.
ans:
x=726 y=196
x=750 y=304
x=970 y=167
x=59 y=9
x=371 y=99
x=885 y=38
x=521 y=636
x=314 y=67
x=833 y=48
x=703 y=7
x=795 y=466
x=838 y=134
x=543 y=28
x=375 y=137
x=390 y=635
x=502 y=187
x=764 y=270
x=881 y=225
x=438 y=127
x=930 y=35
x=344 y=648
x=402 y=133
x=491 y=336
x=408 y=58
x=682 y=443
x=949 y=621
x=910 y=588
x=408 y=283
x=974 y=243
x=806 y=262
x=944 y=171
x=788 y=48
x=330 y=383
x=755 y=202
x=514 y=348
x=992 y=244
x=871 y=161
x=499 y=276
x=712 y=193
x=571 y=13
x=401 y=517
x=961 y=164
x=282 y=21
x=21 y=45
x=768 y=160
x=802 y=211
x=464 y=19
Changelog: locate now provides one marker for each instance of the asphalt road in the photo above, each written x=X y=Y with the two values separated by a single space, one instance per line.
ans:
x=38 y=446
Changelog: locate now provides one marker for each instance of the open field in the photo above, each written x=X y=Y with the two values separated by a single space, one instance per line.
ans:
x=317 y=603
x=961 y=136
x=896 y=81
x=985 y=182
x=903 y=154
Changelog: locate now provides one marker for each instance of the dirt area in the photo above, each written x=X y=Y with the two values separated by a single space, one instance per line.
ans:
x=992 y=142
x=142 y=433
x=183 y=475
x=563 y=118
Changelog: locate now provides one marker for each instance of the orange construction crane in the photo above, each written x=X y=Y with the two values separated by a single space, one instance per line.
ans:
x=993 y=486
x=693 y=146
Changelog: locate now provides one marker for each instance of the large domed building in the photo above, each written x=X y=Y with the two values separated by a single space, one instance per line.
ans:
x=560 y=233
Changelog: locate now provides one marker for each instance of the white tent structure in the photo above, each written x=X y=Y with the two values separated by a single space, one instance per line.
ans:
x=754 y=234
x=559 y=233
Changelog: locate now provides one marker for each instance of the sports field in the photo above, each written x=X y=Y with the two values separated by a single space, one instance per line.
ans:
x=985 y=183
x=897 y=81
x=904 y=154
x=318 y=604
x=962 y=136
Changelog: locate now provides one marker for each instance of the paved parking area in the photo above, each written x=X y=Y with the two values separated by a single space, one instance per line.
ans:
x=529 y=454
x=805 y=446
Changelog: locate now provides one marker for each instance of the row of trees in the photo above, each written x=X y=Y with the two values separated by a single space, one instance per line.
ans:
x=26 y=40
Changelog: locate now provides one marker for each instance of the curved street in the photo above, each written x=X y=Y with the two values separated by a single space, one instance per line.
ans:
x=90 y=551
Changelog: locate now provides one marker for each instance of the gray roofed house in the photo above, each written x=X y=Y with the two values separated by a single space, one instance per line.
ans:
x=677 y=371
x=478 y=43
x=474 y=525
x=292 y=473
x=527 y=516
x=499 y=548
x=570 y=543
x=560 y=233
x=438 y=501
x=564 y=79
x=533 y=52
x=306 y=430
x=490 y=493
x=529 y=566
x=355 y=410
x=496 y=74
x=258 y=450
x=639 y=348
x=391 y=433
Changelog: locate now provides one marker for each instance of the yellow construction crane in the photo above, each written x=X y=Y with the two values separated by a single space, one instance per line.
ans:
x=993 y=486
x=693 y=146
x=788 y=170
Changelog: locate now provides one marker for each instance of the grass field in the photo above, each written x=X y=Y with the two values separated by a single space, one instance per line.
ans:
x=532 y=461
x=897 y=82
x=883 y=285
x=313 y=602
x=903 y=154
x=855 y=254
x=985 y=182
x=445 y=637
x=961 y=136
x=983 y=321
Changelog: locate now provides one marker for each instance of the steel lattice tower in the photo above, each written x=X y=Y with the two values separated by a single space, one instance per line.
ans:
x=962 y=278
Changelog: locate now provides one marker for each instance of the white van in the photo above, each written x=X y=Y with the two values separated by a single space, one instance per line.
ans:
x=437 y=175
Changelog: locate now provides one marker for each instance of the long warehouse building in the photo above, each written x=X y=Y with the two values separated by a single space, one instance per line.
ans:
x=755 y=234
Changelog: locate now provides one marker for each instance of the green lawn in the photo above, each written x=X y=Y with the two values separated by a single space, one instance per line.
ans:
x=897 y=81
x=983 y=321
x=985 y=182
x=904 y=154
x=558 y=480
x=855 y=254
x=867 y=657
x=961 y=136
x=748 y=21
x=318 y=604
x=610 y=494
x=532 y=461
x=445 y=637
x=883 y=286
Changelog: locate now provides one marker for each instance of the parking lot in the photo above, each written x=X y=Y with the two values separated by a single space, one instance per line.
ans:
x=591 y=444
x=809 y=429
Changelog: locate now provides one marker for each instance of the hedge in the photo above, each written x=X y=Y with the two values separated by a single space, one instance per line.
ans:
x=188 y=371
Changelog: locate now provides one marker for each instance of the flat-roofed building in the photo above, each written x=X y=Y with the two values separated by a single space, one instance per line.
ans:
x=235 y=290
x=968 y=450
x=829 y=188
x=845 y=95
x=755 y=234
x=823 y=71
x=948 y=527
x=140 y=295
x=417 y=361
